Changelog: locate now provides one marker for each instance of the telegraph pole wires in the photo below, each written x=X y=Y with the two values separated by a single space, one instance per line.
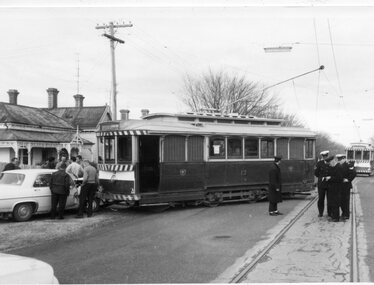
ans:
x=113 y=39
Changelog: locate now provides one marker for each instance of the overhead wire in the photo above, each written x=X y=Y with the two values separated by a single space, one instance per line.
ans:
x=339 y=83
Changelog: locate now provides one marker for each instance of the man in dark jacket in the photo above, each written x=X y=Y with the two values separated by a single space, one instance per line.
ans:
x=320 y=172
x=335 y=185
x=275 y=187
x=349 y=174
x=13 y=164
x=60 y=188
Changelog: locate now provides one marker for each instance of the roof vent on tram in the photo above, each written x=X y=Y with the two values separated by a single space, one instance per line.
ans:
x=125 y=114
x=145 y=112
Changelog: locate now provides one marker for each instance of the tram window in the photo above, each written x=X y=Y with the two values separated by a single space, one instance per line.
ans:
x=358 y=155
x=195 y=148
x=282 y=147
x=234 y=148
x=350 y=154
x=366 y=155
x=267 y=148
x=124 y=149
x=217 y=148
x=297 y=148
x=309 y=149
x=109 y=149
x=251 y=148
x=174 y=148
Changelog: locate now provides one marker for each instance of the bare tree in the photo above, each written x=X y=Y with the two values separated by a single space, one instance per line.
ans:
x=324 y=142
x=228 y=94
x=233 y=94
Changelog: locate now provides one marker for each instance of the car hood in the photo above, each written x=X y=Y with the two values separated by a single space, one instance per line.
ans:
x=25 y=270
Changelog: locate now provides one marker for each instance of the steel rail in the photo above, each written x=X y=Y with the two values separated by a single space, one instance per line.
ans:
x=247 y=268
x=354 y=264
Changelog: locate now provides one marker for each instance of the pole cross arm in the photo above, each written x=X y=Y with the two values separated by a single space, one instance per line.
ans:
x=114 y=38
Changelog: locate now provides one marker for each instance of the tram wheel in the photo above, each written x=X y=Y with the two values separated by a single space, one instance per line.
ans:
x=213 y=199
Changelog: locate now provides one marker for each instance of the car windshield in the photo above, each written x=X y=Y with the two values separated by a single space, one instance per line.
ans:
x=12 y=178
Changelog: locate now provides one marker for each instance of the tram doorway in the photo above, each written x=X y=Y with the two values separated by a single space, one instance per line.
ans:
x=149 y=167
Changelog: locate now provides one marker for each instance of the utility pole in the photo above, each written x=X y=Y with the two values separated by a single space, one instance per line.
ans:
x=113 y=39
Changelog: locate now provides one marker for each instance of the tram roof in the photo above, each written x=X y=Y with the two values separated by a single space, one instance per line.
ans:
x=156 y=127
x=360 y=147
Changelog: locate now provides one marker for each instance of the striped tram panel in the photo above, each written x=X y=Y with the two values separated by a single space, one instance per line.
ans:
x=122 y=133
x=116 y=167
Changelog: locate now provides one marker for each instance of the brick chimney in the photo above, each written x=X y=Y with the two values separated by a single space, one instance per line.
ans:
x=124 y=114
x=78 y=100
x=52 y=98
x=145 y=112
x=13 y=93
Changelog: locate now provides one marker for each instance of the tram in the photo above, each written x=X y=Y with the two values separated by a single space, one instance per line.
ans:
x=362 y=154
x=200 y=158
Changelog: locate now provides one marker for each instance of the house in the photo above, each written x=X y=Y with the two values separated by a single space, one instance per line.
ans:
x=35 y=134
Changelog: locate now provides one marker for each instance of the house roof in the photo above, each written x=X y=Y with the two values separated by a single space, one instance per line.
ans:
x=25 y=115
x=84 y=117
x=35 y=136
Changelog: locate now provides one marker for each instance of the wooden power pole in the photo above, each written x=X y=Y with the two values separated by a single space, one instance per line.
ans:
x=113 y=39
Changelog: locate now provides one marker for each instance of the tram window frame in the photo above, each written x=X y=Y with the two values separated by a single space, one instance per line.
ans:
x=249 y=154
x=358 y=157
x=127 y=157
x=366 y=155
x=109 y=152
x=267 y=147
x=350 y=154
x=232 y=150
x=212 y=150
x=309 y=149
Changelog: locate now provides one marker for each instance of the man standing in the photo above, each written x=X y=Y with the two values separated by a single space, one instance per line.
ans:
x=60 y=188
x=64 y=160
x=348 y=175
x=335 y=184
x=13 y=164
x=275 y=187
x=88 y=188
x=75 y=170
x=321 y=171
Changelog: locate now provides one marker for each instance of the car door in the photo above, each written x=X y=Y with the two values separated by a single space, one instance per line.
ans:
x=42 y=192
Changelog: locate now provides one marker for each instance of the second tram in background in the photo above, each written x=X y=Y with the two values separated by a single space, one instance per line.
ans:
x=362 y=154
x=195 y=158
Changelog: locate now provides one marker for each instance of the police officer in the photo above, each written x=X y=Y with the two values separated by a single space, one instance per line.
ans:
x=348 y=175
x=335 y=185
x=275 y=187
x=321 y=171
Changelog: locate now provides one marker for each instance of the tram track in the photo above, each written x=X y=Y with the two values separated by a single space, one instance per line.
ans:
x=246 y=270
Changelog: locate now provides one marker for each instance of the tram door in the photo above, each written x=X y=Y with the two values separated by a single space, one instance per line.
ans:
x=149 y=167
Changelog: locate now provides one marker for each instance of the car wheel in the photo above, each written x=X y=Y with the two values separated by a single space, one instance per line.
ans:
x=22 y=212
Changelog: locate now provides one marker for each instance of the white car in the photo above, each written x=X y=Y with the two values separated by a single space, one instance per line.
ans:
x=25 y=192
x=25 y=270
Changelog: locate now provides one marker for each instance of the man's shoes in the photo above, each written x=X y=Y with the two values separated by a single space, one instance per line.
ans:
x=89 y=216
x=335 y=220
x=278 y=213
x=320 y=216
x=79 y=216
x=272 y=213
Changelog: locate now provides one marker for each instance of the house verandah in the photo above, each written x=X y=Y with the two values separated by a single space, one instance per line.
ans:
x=34 y=148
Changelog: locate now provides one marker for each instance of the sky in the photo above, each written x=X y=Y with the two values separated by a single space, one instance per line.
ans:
x=48 y=43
